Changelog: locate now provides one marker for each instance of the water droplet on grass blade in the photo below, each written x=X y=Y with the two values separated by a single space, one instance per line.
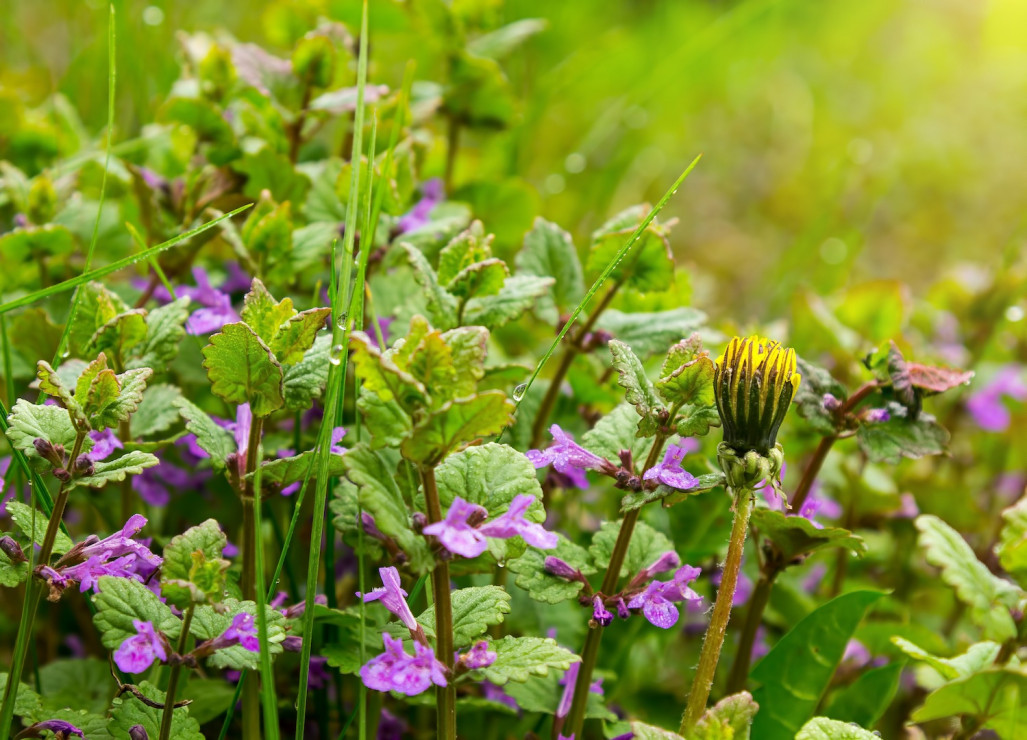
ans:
x=518 y=392
x=335 y=356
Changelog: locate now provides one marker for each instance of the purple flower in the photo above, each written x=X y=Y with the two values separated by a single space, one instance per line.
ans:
x=457 y=533
x=154 y=485
x=830 y=403
x=242 y=631
x=395 y=670
x=817 y=504
x=337 y=434
x=62 y=730
x=393 y=597
x=479 y=656
x=238 y=280
x=907 y=507
x=656 y=601
x=496 y=693
x=986 y=405
x=560 y=568
x=104 y=443
x=117 y=555
x=230 y=550
x=318 y=677
x=217 y=306
x=390 y=727
x=138 y=652
x=600 y=613
x=418 y=216
x=669 y=472
x=877 y=416
x=512 y=524
x=667 y=561
x=568 y=680
x=568 y=457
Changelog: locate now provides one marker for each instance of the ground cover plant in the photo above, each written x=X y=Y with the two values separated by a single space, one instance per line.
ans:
x=319 y=423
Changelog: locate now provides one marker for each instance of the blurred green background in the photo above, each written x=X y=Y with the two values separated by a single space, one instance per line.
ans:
x=842 y=141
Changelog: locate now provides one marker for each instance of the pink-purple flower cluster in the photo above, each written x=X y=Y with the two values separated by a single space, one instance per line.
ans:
x=464 y=530
x=569 y=459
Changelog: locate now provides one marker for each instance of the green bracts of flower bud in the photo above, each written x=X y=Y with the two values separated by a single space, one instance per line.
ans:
x=754 y=382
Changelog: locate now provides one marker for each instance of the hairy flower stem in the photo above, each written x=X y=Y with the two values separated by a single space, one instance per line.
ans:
x=445 y=696
x=714 y=640
x=570 y=352
x=33 y=592
x=250 y=498
x=590 y=652
x=774 y=565
x=176 y=670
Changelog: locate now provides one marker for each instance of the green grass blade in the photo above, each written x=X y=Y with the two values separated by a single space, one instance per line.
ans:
x=607 y=271
x=267 y=677
x=112 y=77
x=114 y=266
x=336 y=380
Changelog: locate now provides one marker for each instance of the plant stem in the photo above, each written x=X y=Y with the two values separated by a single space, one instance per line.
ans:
x=31 y=603
x=714 y=639
x=251 y=709
x=176 y=670
x=570 y=352
x=445 y=696
x=125 y=435
x=590 y=651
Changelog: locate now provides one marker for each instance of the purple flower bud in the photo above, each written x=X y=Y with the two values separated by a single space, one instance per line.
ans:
x=560 y=568
x=61 y=730
x=83 y=465
x=622 y=608
x=479 y=656
x=62 y=475
x=138 y=732
x=370 y=527
x=600 y=613
x=667 y=561
x=46 y=450
x=877 y=416
x=830 y=403
x=419 y=521
x=12 y=550
x=292 y=644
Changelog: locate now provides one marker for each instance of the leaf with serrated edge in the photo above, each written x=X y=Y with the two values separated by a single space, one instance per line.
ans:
x=490 y=475
x=29 y=421
x=165 y=330
x=127 y=711
x=11 y=574
x=977 y=657
x=518 y=294
x=107 y=471
x=645 y=547
x=157 y=411
x=27 y=702
x=442 y=305
x=647 y=333
x=22 y=516
x=822 y=728
x=731 y=718
x=532 y=576
x=456 y=423
x=549 y=251
x=888 y=441
x=382 y=376
x=304 y=382
x=480 y=279
x=297 y=335
x=638 y=389
x=520 y=658
x=475 y=609
x=131 y=385
x=242 y=369
x=286 y=470
x=121 y=600
x=121 y=334
x=215 y=440
x=51 y=384
x=206 y=538
x=797 y=535
x=1012 y=547
x=209 y=622
x=263 y=314
x=988 y=596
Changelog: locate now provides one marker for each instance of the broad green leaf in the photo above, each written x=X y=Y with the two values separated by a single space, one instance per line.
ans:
x=84 y=683
x=304 y=382
x=51 y=384
x=127 y=711
x=263 y=314
x=532 y=576
x=387 y=422
x=549 y=252
x=121 y=600
x=822 y=728
x=467 y=248
x=97 y=305
x=441 y=304
x=616 y=432
x=29 y=421
x=468 y=344
x=505 y=39
x=649 y=266
x=201 y=116
x=382 y=376
x=670 y=496
x=796 y=535
x=520 y=658
x=267 y=169
x=165 y=329
x=131 y=463
x=475 y=609
x=490 y=475
x=995 y=697
x=27 y=703
x=988 y=596
x=645 y=547
x=284 y=471
x=102 y=394
x=649 y=333
x=216 y=441
x=728 y=719
x=518 y=294
x=432 y=364
x=157 y=411
x=642 y=731
x=88 y=376
x=185 y=560
x=120 y=335
x=209 y=622
x=687 y=382
x=381 y=497
x=297 y=335
x=1012 y=547
x=241 y=369
x=638 y=389
x=211 y=698
x=977 y=657
x=481 y=279
x=542 y=694
x=900 y=437
x=130 y=384
x=809 y=397
x=24 y=518
x=11 y=574
x=865 y=700
x=798 y=669
x=456 y=423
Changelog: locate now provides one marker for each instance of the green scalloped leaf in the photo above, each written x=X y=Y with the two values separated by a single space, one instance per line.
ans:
x=456 y=423
x=127 y=711
x=165 y=330
x=215 y=440
x=131 y=463
x=121 y=600
x=532 y=576
x=645 y=547
x=22 y=516
x=638 y=389
x=795 y=536
x=242 y=369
